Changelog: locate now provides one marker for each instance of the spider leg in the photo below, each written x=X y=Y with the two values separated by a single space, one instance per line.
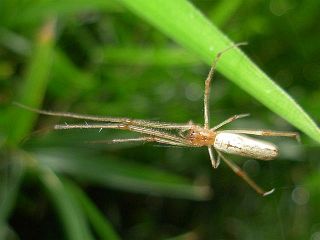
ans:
x=140 y=139
x=128 y=121
x=215 y=163
x=144 y=130
x=231 y=119
x=244 y=176
x=266 y=133
x=208 y=82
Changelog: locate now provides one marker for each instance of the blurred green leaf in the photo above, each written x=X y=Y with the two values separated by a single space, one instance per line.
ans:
x=11 y=174
x=224 y=11
x=15 y=42
x=34 y=85
x=99 y=222
x=181 y=21
x=146 y=56
x=67 y=206
x=311 y=183
x=120 y=174
x=40 y=10
x=67 y=76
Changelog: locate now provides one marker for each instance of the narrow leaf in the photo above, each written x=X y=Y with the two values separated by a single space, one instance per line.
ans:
x=121 y=174
x=100 y=223
x=67 y=206
x=181 y=21
x=10 y=178
x=34 y=86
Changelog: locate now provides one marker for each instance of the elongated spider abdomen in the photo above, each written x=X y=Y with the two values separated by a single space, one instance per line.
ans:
x=245 y=146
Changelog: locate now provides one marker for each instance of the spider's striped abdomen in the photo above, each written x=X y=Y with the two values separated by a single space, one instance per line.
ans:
x=245 y=146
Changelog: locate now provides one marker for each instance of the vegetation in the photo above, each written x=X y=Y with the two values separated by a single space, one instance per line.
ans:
x=149 y=59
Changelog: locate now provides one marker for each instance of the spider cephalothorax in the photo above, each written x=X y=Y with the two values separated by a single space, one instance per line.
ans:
x=199 y=136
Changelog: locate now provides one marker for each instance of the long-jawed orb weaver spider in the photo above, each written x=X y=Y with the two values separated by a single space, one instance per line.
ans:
x=190 y=134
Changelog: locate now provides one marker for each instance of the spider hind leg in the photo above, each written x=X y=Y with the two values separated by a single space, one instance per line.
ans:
x=237 y=170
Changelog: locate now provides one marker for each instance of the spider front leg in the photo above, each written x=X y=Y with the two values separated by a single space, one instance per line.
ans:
x=229 y=120
x=141 y=139
x=208 y=82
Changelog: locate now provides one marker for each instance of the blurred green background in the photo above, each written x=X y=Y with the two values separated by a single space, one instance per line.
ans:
x=99 y=57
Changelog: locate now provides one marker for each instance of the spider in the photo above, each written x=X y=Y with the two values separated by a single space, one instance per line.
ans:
x=190 y=135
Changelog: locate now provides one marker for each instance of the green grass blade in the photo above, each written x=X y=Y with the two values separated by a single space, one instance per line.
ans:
x=34 y=85
x=66 y=76
x=181 y=21
x=40 y=10
x=67 y=206
x=122 y=175
x=146 y=56
x=224 y=11
x=11 y=174
x=99 y=222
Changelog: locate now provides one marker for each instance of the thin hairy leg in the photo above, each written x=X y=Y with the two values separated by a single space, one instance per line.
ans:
x=215 y=163
x=128 y=121
x=131 y=128
x=265 y=133
x=231 y=119
x=141 y=139
x=208 y=83
x=244 y=176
